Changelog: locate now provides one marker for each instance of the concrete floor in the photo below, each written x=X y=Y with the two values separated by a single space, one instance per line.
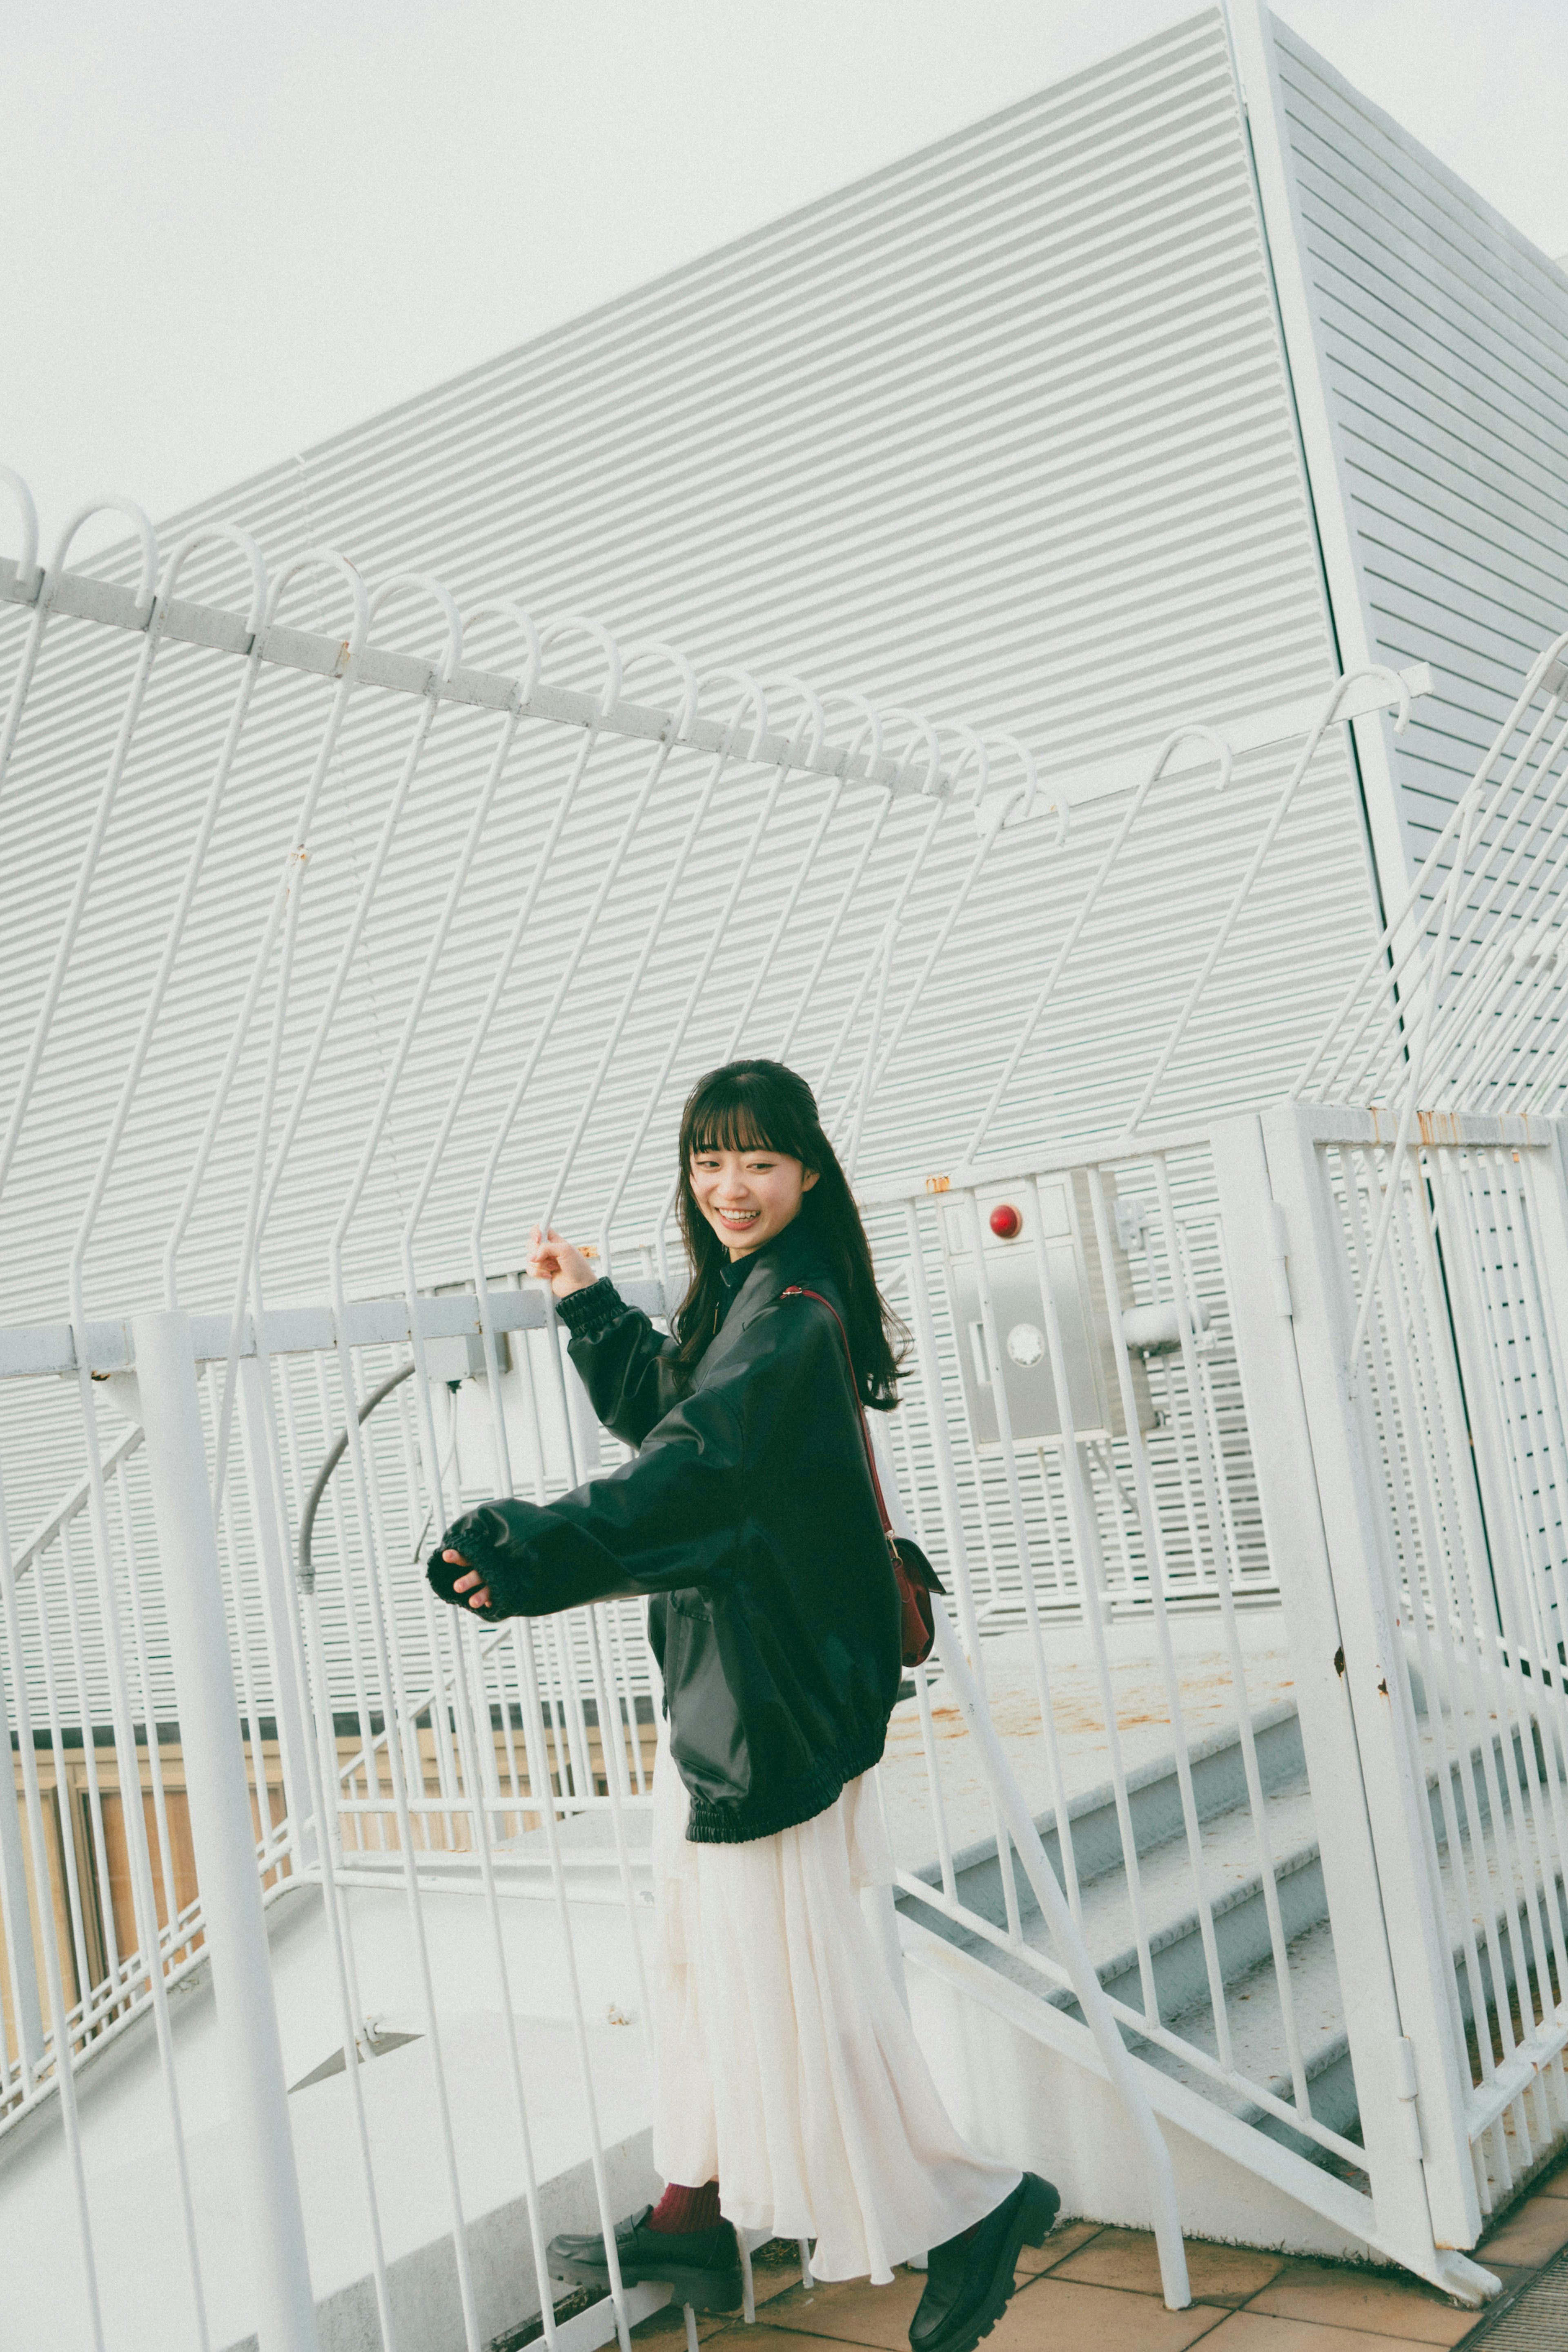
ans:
x=1089 y=2289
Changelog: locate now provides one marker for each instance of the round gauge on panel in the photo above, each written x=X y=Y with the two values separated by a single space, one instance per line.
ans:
x=1026 y=1345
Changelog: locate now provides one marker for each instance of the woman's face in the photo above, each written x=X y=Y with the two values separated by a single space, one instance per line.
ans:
x=749 y=1196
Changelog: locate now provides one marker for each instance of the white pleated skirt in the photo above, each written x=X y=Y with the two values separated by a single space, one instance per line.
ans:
x=785 y=2066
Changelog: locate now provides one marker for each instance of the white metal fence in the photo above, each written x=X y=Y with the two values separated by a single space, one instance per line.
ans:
x=1435 y=1403
x=1195 y=1531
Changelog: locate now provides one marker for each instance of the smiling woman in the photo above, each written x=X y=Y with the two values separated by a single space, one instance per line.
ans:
x=747 y=1196
x=753 y=1157
x=791 y=2094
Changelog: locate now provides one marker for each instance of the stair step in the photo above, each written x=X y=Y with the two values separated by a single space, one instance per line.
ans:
x=1227 y=1838
x=1173 y=1929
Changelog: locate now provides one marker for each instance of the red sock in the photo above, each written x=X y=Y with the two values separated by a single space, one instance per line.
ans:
x=679 y=2210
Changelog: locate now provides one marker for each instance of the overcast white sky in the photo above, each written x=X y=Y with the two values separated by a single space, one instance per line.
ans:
x=228 y=229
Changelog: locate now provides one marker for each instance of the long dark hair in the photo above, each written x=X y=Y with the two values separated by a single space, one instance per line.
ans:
x=763 y=1107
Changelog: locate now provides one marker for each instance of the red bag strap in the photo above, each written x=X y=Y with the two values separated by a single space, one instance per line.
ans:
x=799 y=1290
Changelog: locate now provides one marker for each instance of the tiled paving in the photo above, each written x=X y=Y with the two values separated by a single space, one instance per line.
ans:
x=1089 y=2289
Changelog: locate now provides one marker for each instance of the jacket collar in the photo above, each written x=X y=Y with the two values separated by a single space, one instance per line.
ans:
x=793 y=1257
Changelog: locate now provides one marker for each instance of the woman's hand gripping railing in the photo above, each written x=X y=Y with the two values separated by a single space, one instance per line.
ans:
x=1075 y=1959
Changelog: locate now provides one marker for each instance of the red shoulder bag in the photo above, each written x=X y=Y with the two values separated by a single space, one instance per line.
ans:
x=913 y=1572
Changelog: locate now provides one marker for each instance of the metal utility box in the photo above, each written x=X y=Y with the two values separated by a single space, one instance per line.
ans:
x=1078 y=1281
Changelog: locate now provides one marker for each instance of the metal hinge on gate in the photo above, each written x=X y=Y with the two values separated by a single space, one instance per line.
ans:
x=1277 y=1270
x=1406 y=2092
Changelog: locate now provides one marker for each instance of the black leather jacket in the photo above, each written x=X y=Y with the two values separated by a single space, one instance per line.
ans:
x=748 y=1514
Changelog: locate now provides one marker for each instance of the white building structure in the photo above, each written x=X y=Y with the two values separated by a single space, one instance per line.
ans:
x=832 y=649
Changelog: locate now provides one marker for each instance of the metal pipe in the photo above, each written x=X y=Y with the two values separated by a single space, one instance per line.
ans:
x=318 y=1485
x=219 y=1800
x=1086 y=905
x=1324 y=719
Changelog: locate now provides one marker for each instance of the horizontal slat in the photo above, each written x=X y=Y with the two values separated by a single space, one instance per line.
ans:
x=1330 y=1123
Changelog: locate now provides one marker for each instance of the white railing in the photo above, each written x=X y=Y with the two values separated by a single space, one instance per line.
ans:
x=1458 y=1007
x=502 y=1765
x=1092 y=1505
x=1443 y=1454
x=1108 y=1443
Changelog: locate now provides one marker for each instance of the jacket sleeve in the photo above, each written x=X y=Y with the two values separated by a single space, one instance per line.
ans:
x=625 y=1365
x=667 y=1519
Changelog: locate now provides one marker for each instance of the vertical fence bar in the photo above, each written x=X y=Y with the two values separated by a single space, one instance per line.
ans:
x=54 y=1974
x=21 y=1960
x=219 y=1800
x=277 y=1592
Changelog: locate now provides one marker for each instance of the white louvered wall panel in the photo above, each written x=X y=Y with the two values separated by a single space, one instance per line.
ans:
x=1003 y=430
x=1443 y=339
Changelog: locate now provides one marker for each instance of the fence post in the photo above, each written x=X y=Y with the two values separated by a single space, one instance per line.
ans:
x=1355 y=1538
x=1262 y=1309
x=223 y=1833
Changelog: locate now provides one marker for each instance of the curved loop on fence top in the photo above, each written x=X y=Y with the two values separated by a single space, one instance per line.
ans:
x=1557 y=651
x=930 y=787
x=506 y=608
x=680 y=724
x=1194 y=733
x=27 y=560
x=229 y=534
x=1352 y=677
x=871 y=719
x=401 y=584
x=327 y=559
x=140 y=522
x=975 y=754
x=750 y=691
x=1019 y=805
x=811 y=708
x=553 y=632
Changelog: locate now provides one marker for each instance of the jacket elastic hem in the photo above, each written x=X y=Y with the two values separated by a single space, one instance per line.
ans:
x=802 y=1801
x=588 y=1312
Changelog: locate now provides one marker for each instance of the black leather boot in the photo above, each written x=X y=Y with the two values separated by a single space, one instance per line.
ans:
x=701 y=2266
x=968 y=2280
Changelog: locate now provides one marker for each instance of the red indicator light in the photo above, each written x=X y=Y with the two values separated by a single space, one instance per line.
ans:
x=1007 y=1223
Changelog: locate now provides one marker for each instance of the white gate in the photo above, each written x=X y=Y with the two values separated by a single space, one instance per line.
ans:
x=1434 y=1411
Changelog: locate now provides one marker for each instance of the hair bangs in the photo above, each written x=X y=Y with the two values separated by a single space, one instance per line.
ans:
x=733 y=1126
x=735 y=1113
